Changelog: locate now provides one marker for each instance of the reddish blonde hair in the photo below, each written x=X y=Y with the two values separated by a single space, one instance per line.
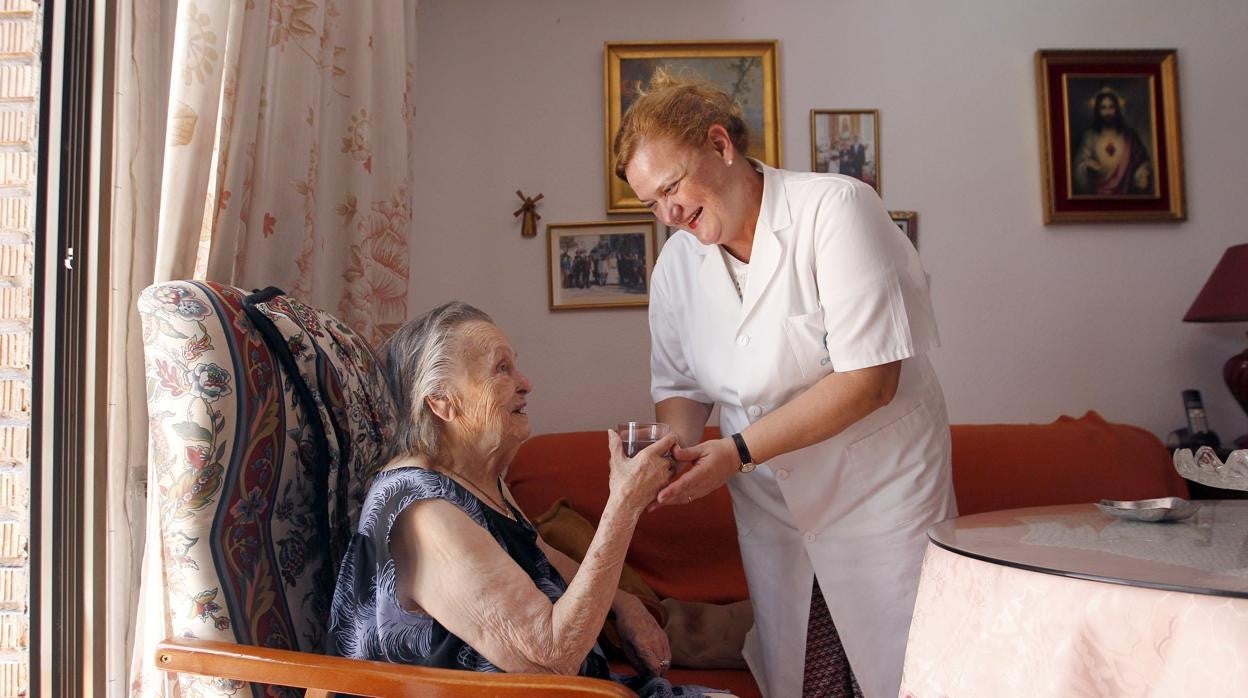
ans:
x=682 y=109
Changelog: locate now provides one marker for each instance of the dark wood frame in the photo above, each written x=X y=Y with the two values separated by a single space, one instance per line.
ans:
x=1061 y=205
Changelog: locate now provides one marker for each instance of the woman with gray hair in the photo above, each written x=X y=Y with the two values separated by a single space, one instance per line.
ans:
x=445 y=570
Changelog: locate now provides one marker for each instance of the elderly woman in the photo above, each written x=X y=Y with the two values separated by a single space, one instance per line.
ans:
x=445 y=570
x=792 y=301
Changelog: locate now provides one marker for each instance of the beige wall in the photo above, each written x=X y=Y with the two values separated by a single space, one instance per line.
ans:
x=1036 y=321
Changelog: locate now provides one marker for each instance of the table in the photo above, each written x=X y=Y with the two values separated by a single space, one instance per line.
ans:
x=1070 y=601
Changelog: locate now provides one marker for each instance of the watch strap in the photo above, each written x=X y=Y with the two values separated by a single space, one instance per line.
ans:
x=743 y=451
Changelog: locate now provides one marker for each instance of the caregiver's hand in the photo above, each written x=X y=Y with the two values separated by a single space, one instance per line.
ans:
x=705 y=467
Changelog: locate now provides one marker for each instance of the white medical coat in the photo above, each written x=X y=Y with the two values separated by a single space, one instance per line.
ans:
x=833 y=285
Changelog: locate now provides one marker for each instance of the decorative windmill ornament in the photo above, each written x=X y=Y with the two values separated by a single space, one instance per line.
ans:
x=528 y=224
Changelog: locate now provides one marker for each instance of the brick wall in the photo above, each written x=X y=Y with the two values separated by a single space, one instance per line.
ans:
x=20 y=33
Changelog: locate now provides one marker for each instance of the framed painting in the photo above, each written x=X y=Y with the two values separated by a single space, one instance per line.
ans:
x=744 y=69
x=1109 y=135
x=600 y=265
x=908 y=221
x=846 y=142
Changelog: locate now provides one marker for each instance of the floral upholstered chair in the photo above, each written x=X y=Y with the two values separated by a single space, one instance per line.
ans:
x=266 y=417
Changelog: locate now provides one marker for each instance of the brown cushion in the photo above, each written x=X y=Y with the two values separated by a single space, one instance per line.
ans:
x=569 y=533
x=702 y=635
x=707 y=635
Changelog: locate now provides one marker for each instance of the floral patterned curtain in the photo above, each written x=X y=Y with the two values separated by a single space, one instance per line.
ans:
x=289 y=150
x=285 y=160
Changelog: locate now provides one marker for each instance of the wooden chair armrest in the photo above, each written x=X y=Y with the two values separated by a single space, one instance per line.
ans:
x=323 y=674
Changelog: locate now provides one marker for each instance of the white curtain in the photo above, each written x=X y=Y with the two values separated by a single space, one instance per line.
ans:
x=273 y=142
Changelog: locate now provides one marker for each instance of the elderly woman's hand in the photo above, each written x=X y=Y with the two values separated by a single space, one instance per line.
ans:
x=639 y=479
x=645 y=643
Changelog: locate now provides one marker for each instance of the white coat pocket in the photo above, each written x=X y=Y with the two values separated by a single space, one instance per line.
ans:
x=808 y=341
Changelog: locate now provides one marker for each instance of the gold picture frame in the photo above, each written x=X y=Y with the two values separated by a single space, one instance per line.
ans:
x=908 y=221
x=846 y=141
x=603 y=264
x=746 y=69
x=1110 y=142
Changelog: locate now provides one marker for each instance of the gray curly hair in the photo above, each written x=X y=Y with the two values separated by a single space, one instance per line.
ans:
x=417 y=362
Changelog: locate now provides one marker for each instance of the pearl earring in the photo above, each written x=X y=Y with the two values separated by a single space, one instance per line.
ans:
x=729 y=162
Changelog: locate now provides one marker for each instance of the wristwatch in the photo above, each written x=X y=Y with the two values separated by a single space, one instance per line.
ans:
x=747 y=461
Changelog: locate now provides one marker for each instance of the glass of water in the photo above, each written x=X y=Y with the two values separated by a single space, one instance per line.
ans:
x=638 y=435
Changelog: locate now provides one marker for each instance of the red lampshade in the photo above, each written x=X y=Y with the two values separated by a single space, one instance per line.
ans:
x=1225 y=295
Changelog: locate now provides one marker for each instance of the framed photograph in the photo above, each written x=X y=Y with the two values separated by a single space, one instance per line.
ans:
x=744 y=69
x=846 y=142
x=908 y=221
x=1109 y=135
x=600 y=265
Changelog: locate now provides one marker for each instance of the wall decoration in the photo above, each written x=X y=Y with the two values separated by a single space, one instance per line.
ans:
x=846 y=142
x=528 y=209
x=1109 y=135
x=908 y=221
x=600 y=265
x=744 y=69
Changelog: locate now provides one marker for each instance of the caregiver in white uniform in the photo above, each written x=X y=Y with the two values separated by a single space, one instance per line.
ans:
x=793 y=302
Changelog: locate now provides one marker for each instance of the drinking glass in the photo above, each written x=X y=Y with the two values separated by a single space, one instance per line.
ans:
x=638 y=435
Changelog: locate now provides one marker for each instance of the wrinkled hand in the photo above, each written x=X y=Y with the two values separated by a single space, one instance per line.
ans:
x=710 y=465
x=639 y=479
x=645 y=643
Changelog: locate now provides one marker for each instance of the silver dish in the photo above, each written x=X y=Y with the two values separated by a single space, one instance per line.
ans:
x=1160 y=509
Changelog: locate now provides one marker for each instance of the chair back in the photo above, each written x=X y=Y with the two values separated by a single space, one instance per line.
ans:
x=267 y=417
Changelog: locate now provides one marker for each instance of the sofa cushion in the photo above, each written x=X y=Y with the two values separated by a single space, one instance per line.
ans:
x=1005 y=466
x=568 y=532
x=707 y=635
x=687 y=552
x=703 y=635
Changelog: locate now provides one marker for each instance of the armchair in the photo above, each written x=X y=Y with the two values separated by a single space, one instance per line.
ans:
x=267 y=417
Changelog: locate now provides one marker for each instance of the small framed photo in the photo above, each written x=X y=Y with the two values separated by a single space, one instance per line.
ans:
x=1109 y=135
x=600 y=265
x=746 y=70
x=908 y=221
x=846 y=142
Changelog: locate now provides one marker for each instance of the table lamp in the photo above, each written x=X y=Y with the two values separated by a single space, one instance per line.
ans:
x=1225 y=299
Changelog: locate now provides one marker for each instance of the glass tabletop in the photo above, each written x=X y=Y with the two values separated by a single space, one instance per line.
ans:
x=1204 y=554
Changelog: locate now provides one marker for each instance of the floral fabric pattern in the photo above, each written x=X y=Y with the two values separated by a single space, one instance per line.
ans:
x=235 y=475
x=279 y=112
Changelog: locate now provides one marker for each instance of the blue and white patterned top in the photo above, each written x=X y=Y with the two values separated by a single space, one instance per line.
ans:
x=366 y=620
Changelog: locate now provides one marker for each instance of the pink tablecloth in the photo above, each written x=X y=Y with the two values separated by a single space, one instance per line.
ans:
x=983 y=629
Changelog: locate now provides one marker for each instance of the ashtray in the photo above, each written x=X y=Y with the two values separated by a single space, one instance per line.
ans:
x=1160 y=509
x=1206 y=468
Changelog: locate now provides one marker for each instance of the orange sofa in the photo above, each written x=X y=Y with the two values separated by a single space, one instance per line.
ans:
x=690 y=552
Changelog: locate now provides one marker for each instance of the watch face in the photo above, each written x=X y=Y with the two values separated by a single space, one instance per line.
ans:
x=747 y=467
